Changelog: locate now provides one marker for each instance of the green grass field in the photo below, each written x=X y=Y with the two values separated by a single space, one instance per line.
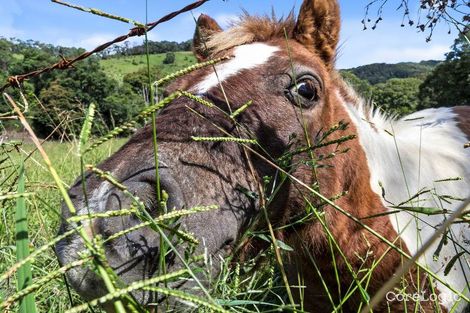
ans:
x=43 y=208
x=118 y=67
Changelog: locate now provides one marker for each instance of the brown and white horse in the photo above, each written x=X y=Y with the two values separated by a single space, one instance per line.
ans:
x=392 y=171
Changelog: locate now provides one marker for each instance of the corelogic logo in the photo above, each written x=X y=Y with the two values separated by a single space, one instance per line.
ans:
x=421 y=297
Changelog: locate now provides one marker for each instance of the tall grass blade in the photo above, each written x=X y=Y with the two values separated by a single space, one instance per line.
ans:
x=86 y=129
x=24 y=277
x=68 y=202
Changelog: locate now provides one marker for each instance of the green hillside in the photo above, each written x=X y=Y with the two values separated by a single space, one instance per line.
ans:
x=117 y=67
x=381 y=72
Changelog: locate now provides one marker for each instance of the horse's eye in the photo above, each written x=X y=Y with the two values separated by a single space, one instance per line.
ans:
x=304 y=93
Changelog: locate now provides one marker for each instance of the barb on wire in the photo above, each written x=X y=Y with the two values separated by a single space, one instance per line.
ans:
x=15 y=81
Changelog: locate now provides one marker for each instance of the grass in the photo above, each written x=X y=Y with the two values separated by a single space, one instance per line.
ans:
x=43 y=213
x=241 y=288
x=118 y=67
x=246 y=287
x=24 y=277
x=238 y=288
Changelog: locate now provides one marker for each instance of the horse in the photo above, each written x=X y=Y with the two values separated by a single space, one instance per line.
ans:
x=369 y=177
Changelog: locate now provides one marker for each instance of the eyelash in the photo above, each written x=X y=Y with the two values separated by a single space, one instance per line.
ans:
x=305 y=92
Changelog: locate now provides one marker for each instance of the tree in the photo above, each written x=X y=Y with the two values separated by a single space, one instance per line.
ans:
x=64 y=100
x=461 y=46
x=139 y=80
x=397 y=95
x=65 y=95
x=34 y=58
x=381 y=72
x=428 y=15
x=361 y=86
x=59 y=107
x=169 y=58
x=449 y=83
x=89 y=81
x=121 y=106
x=5 y=55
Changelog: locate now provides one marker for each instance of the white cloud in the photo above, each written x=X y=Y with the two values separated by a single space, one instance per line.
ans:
x=95 y=40
x=92 y=41
x=63 y=37
x=435 y=52
x=389 y=43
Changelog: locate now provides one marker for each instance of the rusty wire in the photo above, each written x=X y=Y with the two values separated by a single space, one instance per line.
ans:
x=16 y=80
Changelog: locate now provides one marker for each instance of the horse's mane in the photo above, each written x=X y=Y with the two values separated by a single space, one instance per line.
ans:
x=365 y=109
x=250 y=28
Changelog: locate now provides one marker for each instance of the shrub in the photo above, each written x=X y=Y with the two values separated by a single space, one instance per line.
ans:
x=169 y=58
x=398 y=95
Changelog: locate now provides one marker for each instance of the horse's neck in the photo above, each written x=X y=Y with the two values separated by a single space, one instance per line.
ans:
x=419 y=162
x=404 y=156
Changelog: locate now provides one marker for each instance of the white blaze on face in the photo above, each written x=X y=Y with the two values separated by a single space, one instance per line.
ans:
x=245 y=57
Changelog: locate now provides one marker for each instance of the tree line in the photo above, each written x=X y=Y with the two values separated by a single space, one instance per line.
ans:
x=56 y=101
x=153 y=47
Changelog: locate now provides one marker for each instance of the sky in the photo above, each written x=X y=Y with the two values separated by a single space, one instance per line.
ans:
x=48 y=22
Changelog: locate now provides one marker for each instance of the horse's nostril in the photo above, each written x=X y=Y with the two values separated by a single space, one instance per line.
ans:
x=228 y=245
x=113 y=203
x=228 y=242
x=76 y=191
x=145 y=188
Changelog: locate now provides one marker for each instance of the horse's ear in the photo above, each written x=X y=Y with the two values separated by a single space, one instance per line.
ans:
x=318 y=28
x=205 y=27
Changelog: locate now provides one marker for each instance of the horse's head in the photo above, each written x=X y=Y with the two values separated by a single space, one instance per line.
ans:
x=286 y=69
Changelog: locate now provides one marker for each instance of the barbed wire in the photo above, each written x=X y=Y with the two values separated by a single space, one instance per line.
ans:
x=16 y=80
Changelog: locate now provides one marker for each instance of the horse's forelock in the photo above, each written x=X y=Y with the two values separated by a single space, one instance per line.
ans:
x=250 y=29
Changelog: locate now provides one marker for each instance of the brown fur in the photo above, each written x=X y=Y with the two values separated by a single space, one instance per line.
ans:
x=318 y=28
x=463 y=119
x=360 y=247
x=252 y=29
x=205 y=27
x=347 y=172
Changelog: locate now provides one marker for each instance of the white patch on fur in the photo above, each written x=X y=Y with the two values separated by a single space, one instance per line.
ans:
x=430 y=146
x=99 y=197
x=97 y=203
x=245 y=57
